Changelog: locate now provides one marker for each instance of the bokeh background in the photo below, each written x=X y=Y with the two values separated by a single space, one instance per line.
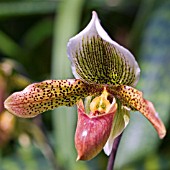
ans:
x=33 y=38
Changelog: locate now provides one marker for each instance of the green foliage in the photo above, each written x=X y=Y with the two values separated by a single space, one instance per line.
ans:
x=23 y=8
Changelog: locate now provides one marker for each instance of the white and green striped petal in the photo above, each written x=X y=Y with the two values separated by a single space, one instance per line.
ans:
x=96 y=58
x=120 y=121
x=47 y=95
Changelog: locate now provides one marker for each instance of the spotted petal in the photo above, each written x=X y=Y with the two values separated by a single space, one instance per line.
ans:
x=134 y=99
x=96 y=58
x=47 y=95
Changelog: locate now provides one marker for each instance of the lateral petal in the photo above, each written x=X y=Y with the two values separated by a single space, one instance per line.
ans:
x=134 y=99
x=47 y=95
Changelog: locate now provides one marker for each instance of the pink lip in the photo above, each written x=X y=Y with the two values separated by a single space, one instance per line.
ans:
x=92 y=132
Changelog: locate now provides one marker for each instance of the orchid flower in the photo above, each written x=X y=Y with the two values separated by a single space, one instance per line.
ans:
x=103 y=90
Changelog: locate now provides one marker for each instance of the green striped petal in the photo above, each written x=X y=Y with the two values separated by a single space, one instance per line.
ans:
x=47 y=95
x=133 y=99
x=96 y=58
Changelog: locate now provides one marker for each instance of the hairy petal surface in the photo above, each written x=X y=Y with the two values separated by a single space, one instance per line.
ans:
x=47 y=95
x=96 y=58
x=134 y=99
x=121 y=120
x=92 y=132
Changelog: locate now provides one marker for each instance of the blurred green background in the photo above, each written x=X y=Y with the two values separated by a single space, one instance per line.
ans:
x=33 y=38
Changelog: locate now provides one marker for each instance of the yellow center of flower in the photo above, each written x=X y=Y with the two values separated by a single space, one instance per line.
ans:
x=100 y=104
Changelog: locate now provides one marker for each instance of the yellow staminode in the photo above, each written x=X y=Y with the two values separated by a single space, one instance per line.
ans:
x=101 y=103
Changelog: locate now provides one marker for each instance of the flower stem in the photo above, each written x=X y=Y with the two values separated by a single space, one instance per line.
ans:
x=112 y=157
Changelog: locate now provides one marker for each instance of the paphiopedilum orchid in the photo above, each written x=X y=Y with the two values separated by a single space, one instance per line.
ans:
x=106 y=74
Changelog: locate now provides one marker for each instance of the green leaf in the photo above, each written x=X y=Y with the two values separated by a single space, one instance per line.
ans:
x=9 y=47
x=36 y=35
x=21 y=8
